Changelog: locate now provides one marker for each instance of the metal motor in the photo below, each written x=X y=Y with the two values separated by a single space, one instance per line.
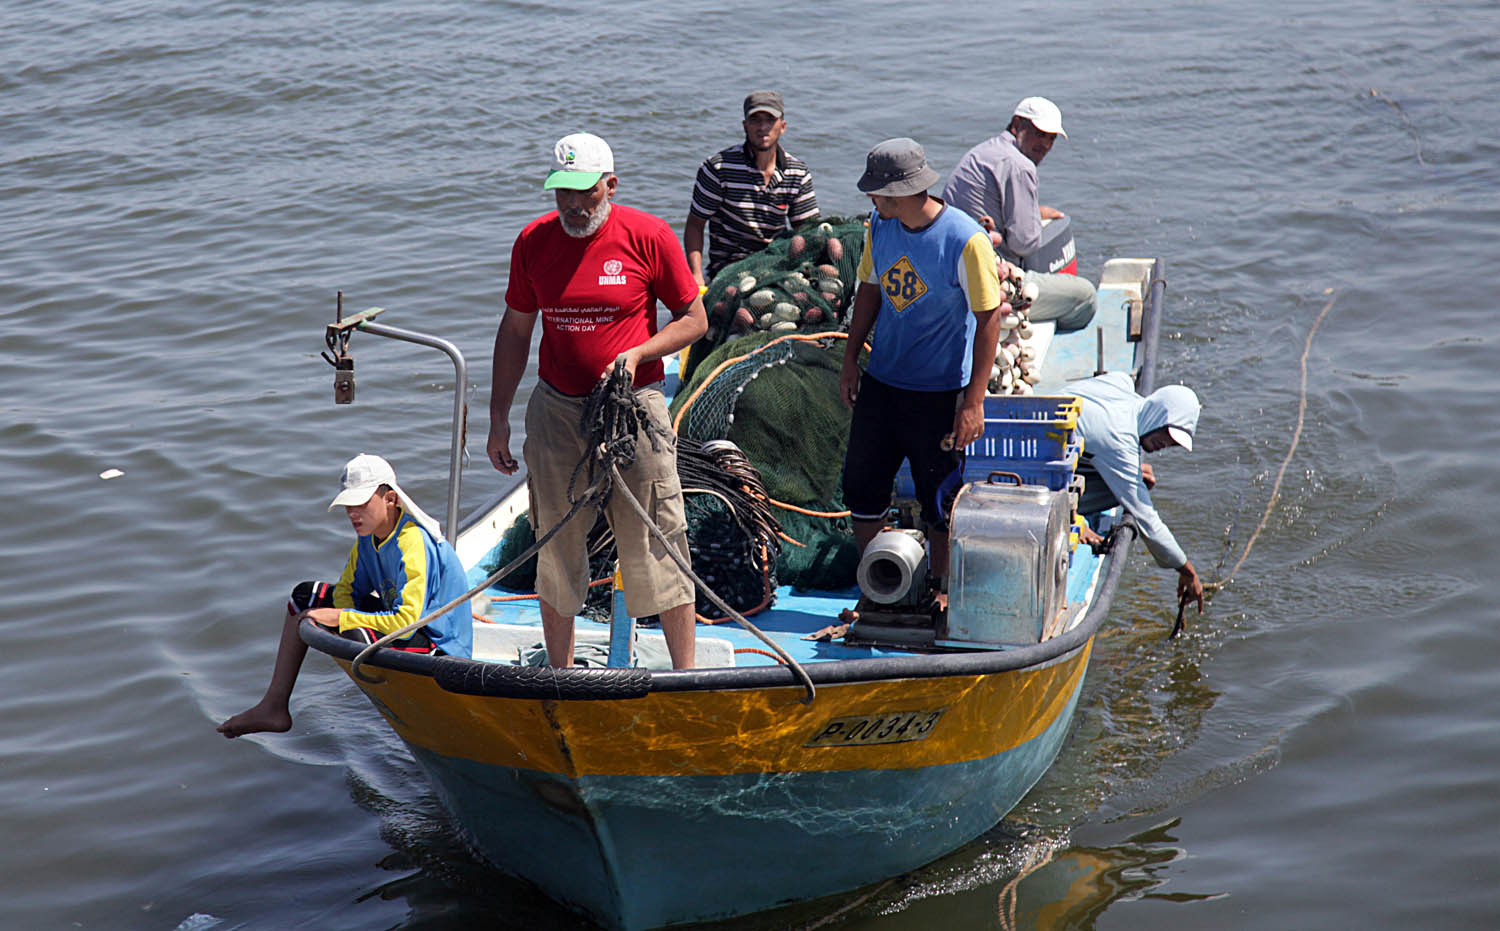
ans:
x=1009 y=564
x=893 y=569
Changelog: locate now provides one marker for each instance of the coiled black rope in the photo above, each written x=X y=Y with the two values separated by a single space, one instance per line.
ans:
x=721 y=468
x=612 y=419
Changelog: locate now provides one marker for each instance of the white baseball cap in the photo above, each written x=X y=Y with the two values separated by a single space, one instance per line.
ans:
x=363 y=475
x=1181 y=437
x=1043 y=114
x=578 y=162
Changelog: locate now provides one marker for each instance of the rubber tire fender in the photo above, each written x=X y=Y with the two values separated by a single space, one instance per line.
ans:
x=467 y=677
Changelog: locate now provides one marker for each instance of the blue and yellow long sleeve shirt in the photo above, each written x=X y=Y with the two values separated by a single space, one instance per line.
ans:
x=409 y=573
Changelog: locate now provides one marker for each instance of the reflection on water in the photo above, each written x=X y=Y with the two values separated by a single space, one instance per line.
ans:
x=1073 y=888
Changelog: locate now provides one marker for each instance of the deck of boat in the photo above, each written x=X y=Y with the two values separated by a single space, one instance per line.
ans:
x=511 y=628
x=516 y=625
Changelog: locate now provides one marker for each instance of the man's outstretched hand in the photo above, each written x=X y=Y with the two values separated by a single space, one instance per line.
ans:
x=1189 y=587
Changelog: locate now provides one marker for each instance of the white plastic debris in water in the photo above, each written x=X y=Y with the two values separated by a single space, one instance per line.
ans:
x=198 y=921
x=108 y=474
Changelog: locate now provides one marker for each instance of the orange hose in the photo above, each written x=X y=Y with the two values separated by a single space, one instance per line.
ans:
x=796 y=510
x=762 y=653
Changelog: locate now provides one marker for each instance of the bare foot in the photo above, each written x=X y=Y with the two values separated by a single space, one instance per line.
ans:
x=260 y=719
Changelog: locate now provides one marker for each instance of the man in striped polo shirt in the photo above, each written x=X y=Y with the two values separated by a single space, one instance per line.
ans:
x=748 y=193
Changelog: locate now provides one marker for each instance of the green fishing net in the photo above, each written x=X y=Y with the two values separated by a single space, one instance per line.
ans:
x=720 y=552
x=775 y=395
x=802 y=281
x=599 y=603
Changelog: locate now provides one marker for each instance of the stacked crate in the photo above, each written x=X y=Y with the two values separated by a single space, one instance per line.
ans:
x=1032 y=437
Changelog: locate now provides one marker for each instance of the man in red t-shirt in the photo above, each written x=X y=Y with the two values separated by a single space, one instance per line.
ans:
x=594 y=271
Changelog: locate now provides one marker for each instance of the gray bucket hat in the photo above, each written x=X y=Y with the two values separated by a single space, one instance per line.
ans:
x=896 y=168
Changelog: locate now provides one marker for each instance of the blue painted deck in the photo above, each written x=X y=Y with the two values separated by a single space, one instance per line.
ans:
x=793 y=615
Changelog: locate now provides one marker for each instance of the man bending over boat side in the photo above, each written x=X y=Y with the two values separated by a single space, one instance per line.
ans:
x=929 y=288
x=748 y=193
x=995 y=183
x=1116 y=424
x=399 y=568
x=593 y=272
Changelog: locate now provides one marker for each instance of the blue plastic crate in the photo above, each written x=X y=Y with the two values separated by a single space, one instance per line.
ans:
x=1062 y=409
x=1032 y=436
x=1027 y=427
x=1055 y=473
x=1022 y=439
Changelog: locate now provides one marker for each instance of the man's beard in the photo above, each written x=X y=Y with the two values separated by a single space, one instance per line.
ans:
x=590 y=226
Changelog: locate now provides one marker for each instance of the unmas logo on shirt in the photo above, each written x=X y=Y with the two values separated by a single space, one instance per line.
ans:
x=902 y=284
x=614 y=272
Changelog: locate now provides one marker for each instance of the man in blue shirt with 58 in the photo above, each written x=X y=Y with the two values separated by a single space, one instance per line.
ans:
x=929 y=292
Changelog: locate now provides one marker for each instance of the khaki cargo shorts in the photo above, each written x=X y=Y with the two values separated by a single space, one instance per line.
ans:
x=553 y=447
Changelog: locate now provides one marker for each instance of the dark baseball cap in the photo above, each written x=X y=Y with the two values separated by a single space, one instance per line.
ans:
x=764 y=102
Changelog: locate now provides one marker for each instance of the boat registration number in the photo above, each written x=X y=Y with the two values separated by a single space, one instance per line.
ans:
x=863 y=730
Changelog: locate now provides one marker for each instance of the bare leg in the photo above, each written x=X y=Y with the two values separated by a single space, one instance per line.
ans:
x=865 y=531
x=680 y=626
x=937 y=563
x=937 y=553
x=273 y=712
x=557 y=633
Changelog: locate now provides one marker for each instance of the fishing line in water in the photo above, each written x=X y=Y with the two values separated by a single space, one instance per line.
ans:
x=1005 y=905
x=1396 y=105
x=1281 y=472
x=848 y=907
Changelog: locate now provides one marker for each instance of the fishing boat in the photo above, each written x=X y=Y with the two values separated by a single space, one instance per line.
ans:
x=644 y=796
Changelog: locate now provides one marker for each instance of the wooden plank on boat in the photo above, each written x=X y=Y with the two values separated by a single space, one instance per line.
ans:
x=1062 y=620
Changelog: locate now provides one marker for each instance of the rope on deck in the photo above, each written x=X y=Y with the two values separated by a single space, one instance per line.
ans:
x=713 y=596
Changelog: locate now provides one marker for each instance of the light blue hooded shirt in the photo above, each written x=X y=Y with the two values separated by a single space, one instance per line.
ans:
x=1112 y=422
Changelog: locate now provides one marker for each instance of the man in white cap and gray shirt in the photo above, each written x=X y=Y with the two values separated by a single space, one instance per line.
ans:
x=1117 y=425
x=995 y=183
x=593 y=271
x=399 y=568
x=929 y=289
